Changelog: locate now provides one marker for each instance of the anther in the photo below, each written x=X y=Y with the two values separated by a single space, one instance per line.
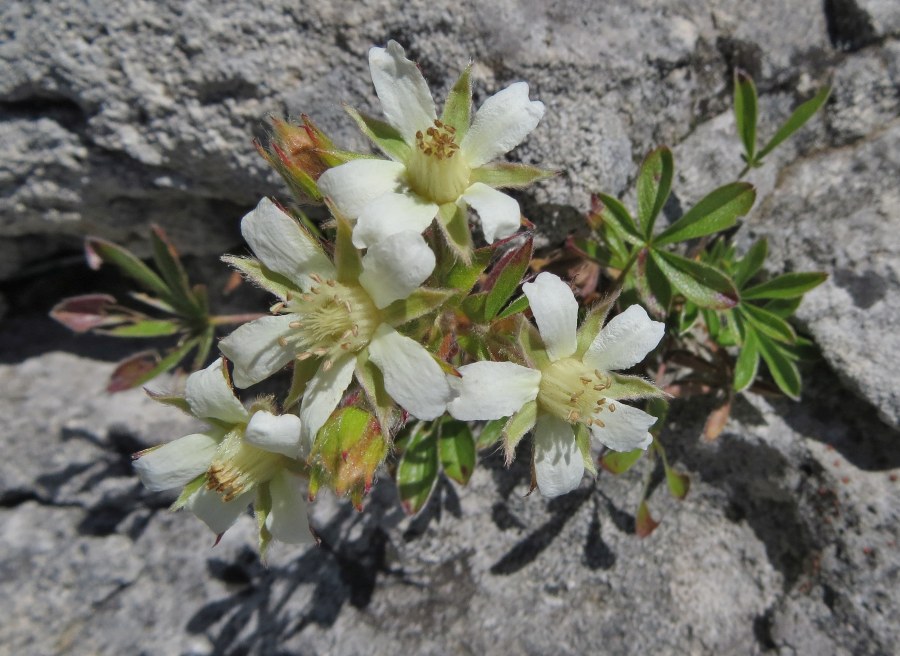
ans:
x=327 y=365
x=330 y=283
x=599 y=423
x=309 y=298
x=278 y=307
x=306 y=355
x=316 y=277
x=295 y=324
x=612 y=407
x=585 y=381
x=282 y=341
x=355 y=330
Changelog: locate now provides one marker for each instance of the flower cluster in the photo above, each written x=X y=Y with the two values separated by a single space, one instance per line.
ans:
x=382 y=319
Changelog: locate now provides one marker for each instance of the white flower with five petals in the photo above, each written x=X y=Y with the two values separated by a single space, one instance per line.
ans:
x=570 y=386
x=243 y=457
x=336 y=319
x=437 y=166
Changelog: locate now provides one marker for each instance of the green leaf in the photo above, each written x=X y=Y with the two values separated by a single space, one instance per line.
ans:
x=631 y=388
x=592 y=324
x=700 y=283
x=687 y=318
x=615 y=214
x=382 y=135
x=491 y=433
x=653 y=186
x=768 y=323
x=261 y=276
x=751 y=263
x=619 y=462
x=509 y=175
x=678 y=484
x=454 y=224
x=457 y=450
x=517 y=427
x=784 y=371
x=473 y=307
x=747 y=362
x=796 y=120
x=148 y=328
x=347 y=262
x=745 y=112
x=462 y=276
x=652 y=285
x=169 y=265
x=517 y=306
x=783 y=307
x=644 y=524
x=718 y=211
x=100 y=250
x=505 y=277
x=583 y=441
x=659 y=408
x=141 y=367
x=417 y=471
x=421 y=302
x=788 y=285
x=458 y=108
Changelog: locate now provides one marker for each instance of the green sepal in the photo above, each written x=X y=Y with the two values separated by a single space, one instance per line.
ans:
x=509 y=175
x=745 y=113
x=787 y=285
x=619 y=462
x=303 y=372
x=458 y=108
x=700 y=283
x=173 y=400
x=592 y=324
x=261 y=276
x=747 y=364
x=795 y=121
x=347 y=262
x=382 y=134
x=616 y=215
x=417 y=470
x=421 y=302
x=768 y=323
x=518 y=306
x=751 y=263
x=491 y=433
x=456 y=447
x=583 y=441
x=517 y=427
x=262 y=506
x=654 y=184
x=453 y=221
x=187 y=491
x=717 y=211
x=462 y=276
x=533 y=346
x=371 y=380
x=146 y=328
x=629 y=388
x=348 y=449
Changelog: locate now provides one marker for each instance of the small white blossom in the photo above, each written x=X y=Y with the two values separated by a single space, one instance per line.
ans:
x=340 y=318
x=241 y=458
x=438 y=165
x=570 y=385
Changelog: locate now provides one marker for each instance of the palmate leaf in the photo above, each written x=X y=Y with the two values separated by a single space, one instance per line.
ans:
x=747 y=364
x=505 y=277
x=457 y=450
x=100 y=250
x=653 y=186
x=745 y=112
x=767 y=323
x=517 y=306
x=751 y=263
x=788 y=285
x=615 y=214
x=781 y=366
x=795 y=121
x=417 y=470
x=700 y=283
x=717 y=211
x=169 y=264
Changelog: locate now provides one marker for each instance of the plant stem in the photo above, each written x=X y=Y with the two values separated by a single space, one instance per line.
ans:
x=229 y=319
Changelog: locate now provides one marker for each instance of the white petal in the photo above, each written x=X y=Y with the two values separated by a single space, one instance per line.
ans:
x=558 y=465
x=394 y=268
x=276 y=433
x=390 y=214
x=283 y=246
x=287 y=521
x=624 y=429
x=411 y=376
x=402 y=90
x=556 y=313
x=624 y=341
x=177 y=463
x=499 y=213
x=357 y=183
x=210 y=395
x=490 y=390
x=255 y=351
x=216 y=513
x=321 y=397
x=502 y=122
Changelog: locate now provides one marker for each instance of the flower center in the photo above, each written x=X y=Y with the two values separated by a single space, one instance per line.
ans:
x=239 y=467
x=332 y=319
x=573 y=392
x=436 y=170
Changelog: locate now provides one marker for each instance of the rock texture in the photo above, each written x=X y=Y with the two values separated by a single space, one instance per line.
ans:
x=114 y=115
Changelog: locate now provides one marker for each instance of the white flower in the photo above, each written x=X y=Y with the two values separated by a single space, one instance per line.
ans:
x=436 y=164
x=242 y=458
x=569 y=386
x=339 y=318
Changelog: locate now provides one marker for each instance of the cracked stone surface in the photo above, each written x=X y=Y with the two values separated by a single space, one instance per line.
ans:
x=113 y=116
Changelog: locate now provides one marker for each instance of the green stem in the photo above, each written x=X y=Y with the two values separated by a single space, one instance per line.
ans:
x=620 y=279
